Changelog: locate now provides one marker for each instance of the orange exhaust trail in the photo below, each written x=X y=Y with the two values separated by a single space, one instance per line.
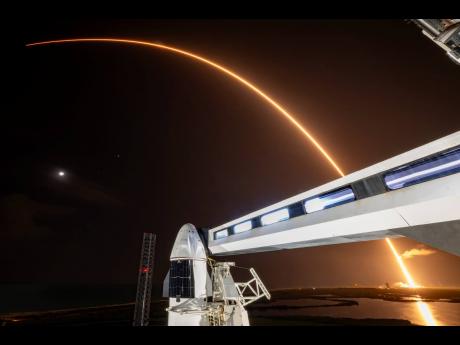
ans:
x=423 y=308
x=406 y=273
x=217 y=66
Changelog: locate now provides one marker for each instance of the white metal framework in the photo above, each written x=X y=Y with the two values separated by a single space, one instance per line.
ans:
x=443 y=32
x=415 y=194
x=255 y=286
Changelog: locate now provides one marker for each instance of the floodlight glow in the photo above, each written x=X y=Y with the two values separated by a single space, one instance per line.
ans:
x=275 y=217
x=245 y=226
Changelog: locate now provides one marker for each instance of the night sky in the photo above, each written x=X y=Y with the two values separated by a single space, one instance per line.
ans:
x=150 y=140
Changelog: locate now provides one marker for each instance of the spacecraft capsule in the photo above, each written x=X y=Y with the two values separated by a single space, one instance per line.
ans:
x=188 y=283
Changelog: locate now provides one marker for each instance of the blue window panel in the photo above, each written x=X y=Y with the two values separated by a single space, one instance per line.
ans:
x=275 y=217
x=245 y=226
x=220 y=234
x=442 y=165
x=327 y=200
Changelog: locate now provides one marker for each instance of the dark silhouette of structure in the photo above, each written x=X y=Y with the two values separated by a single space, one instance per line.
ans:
x=144 y=282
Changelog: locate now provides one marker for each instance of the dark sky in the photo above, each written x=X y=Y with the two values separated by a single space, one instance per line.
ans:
x=151 y=140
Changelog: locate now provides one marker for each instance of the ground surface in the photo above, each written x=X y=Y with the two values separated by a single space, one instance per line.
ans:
x=260 y=313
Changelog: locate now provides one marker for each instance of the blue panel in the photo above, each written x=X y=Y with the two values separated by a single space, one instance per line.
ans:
x=275 y=216
x=221 y=234
x=331 y=199
x=245 y=226
x=442 y=165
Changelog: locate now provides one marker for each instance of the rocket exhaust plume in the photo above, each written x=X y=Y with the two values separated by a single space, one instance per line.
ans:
x=424 y=309
x=409 y=254
x=406 y=273
x=215 y=65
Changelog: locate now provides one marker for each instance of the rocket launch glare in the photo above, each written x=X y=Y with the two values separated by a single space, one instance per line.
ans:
x=423 y=307
x=215 y=65
x=406 y=273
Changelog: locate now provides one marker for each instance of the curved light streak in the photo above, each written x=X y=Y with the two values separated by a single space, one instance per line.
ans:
x=217 y=66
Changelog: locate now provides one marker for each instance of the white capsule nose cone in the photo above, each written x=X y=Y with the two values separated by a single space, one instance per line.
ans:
x=188 y=244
